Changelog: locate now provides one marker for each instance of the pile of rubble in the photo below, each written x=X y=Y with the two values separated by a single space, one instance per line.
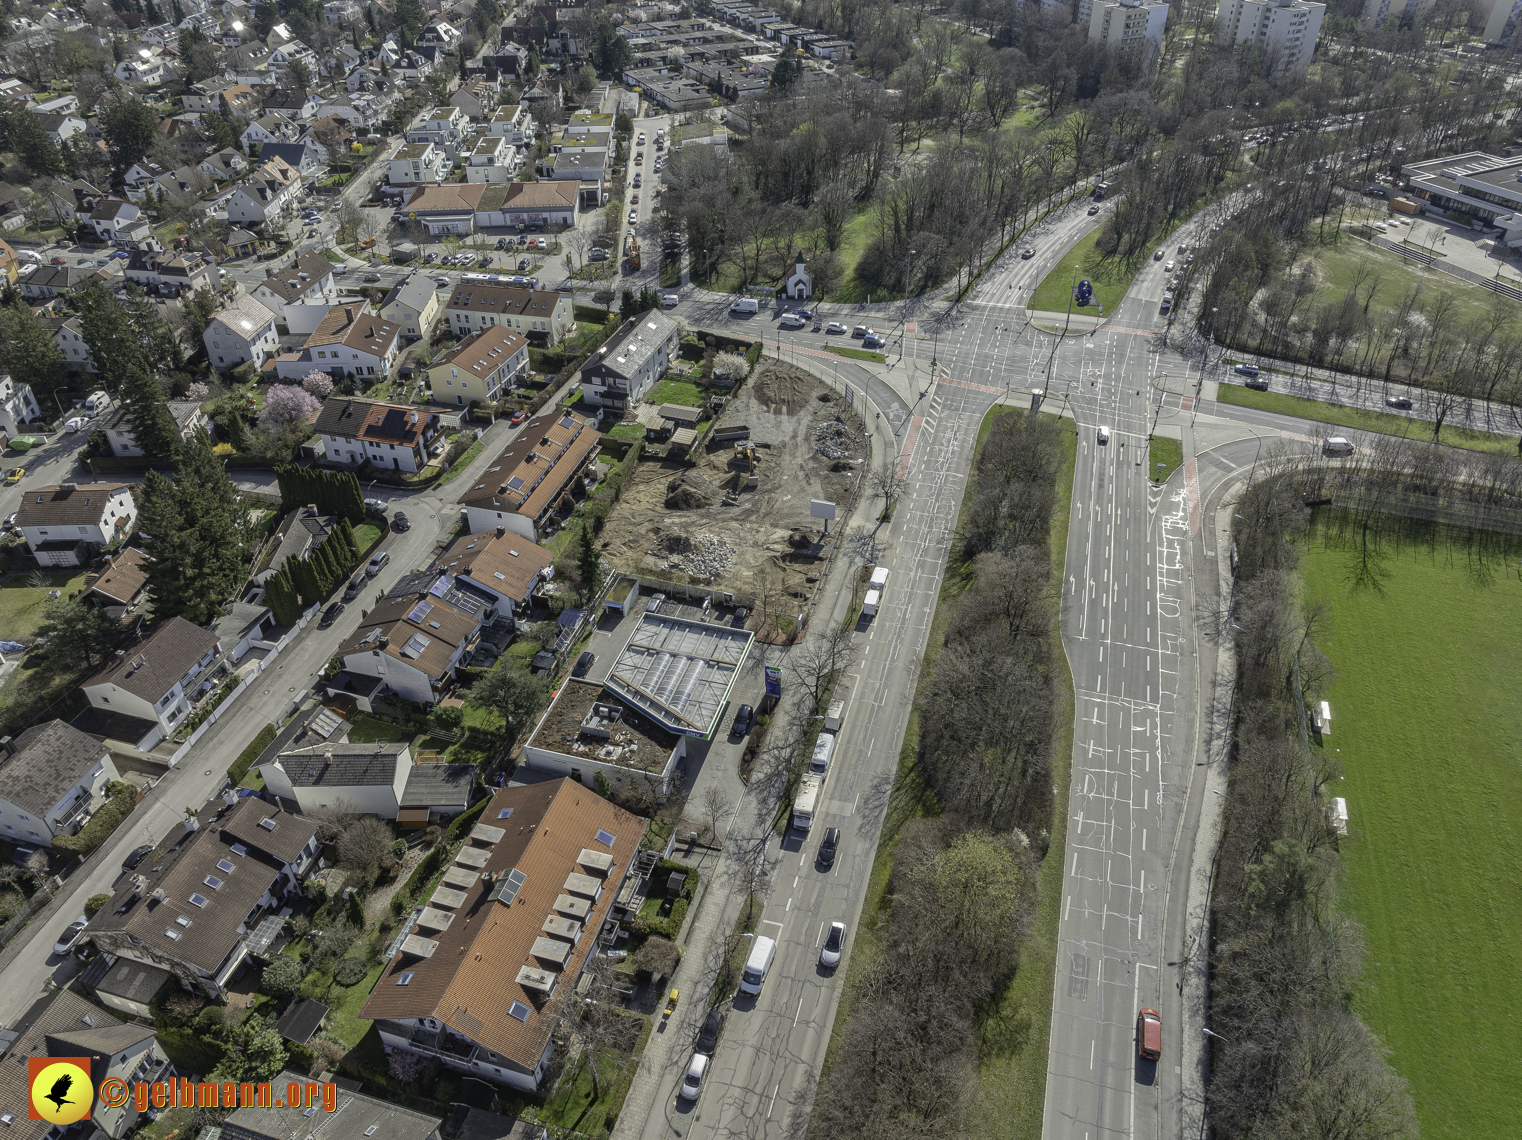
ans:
x=834 y=440
x=702 y=555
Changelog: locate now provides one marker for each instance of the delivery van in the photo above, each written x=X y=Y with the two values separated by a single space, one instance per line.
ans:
x=757 y=965
x=745 y=306
x=1336 y=445
x=824 y=751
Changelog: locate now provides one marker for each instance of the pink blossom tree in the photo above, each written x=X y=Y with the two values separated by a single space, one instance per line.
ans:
x=319 y=383
x=287 y=403
x=197 y=392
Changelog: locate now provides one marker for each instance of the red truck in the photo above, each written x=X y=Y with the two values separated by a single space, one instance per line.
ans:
x=1149 y=1034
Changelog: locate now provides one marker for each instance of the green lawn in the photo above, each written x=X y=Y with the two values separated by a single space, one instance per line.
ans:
x=344 y=1004
x=462 y=463
x=682 y=392
x=1338 y=264
x=366 y=535
x=858 y=353
x=1110 y=277
x=368 y=730
x=21 y=603
x=1426 y=718
x=1362 y=419
x=572 y=1106
x=1167 y=457
x=633 y=430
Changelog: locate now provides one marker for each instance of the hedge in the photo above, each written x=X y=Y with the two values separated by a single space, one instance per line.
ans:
x=350 y=971
x=246 y=758
x=103 y=823
x=463 y=822
x=598 y=508
x=671 y=925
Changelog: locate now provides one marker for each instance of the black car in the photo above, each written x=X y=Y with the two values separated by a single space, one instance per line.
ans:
x=354 y=588
x=1398 y=401
x=330 y=615
x=502 y=243
x=583 y=664
x=399 y=522
x=131 y=862
x=713 y=1029
x=829 y=847
x=522 y=264
x=745 y=720
x=372 y=277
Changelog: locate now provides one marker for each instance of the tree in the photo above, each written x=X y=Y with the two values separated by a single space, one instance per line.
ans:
x=408 y=20
x=820 y=659
x=33 y=145
x=237 y=432
x=80 y=637
x=366 y=842
x=588 y=562
x=282 y=978
x=514 y=694
x=889 y=483
x=130 y=128
x=280 y=594
x=318 y=383
x=114 y=343
x=160 y=345
x=298 y=74
x=27 y=349
x=405 y=1065
x=153 y=427
x=730 y=367
x=286 y=403
x=197 y=56
x=196 y=311
x=194 y=534
x=657 y=957
x=716 y=805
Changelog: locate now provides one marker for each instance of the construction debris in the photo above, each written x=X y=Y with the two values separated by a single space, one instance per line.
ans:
x=834 y=440
x=701 y=556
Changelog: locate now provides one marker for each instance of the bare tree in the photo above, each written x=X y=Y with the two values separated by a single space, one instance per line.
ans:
x=717 y=804
x=819 y=660
x=889 y=483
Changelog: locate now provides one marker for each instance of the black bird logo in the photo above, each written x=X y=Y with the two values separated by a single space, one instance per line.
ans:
x=60 y=1092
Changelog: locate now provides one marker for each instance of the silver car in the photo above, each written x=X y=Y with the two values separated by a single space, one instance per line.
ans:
x=692 y=1083
x=829 y=954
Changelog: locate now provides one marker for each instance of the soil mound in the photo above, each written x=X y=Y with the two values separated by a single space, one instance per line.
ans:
x=689 y=491
x=783 y=391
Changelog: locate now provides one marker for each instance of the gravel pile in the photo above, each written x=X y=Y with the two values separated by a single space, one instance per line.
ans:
x=834 y=440
x=704 y=556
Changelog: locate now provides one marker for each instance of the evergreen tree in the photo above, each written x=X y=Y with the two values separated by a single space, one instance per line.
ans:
x=346 y=529
x=193 y=534
x=351 y=503
x=113 y=342
x=237 y=434
x=588 y=562
x=160 y=345
x=305 y=580
x=328 y=570
x=280 y=595
x=27 y=349
x=153 y=427
x=130 y=128
x=408 y=20
x=179 y=12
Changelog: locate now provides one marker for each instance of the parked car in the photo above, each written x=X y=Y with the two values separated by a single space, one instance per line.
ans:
x=543 y=244
x=523 y=263
x=71 y=936
x=692 y=1082
x=834 y=944
x=653 y=606
x=583 y=664
x=377 y=563
x=635 y=199
x=745 y=720
x=14 y=476
x=378 y=505
x=399 y=522
x=830 y=847
x=10 y=521
x=835 y=328
x=633 y=217
x=131 y=862
x=518 y=417
x=430 y=258
x=355 y=587
x=330 y=615
x=713 y=1029
x=1027 y=254
x=502 y=243
x=1398 y=401
x=637 y=179
x=1246 y=369
x=74 y=424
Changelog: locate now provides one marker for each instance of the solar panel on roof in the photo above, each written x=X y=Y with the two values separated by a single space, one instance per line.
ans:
x=515 y=482
x=420 y=611
x=441 y=587
x=507 y=887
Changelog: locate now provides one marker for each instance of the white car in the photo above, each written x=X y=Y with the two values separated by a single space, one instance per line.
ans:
x=835 y=328
x=692 y=1083
x=74 y=424
x=834 y=945
x=1169 y=267
x=71 y=936
x=1104 y=434
x=633 y=217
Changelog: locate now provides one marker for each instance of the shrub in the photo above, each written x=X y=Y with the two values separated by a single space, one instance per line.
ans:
x=657 y=957
x=282 y=978
x=399 y=848
x=94 y=904
x=730 y=367
x=103 y=823
x=318 y=383
x=671 y=925
x=350 y=971
x=316 y=985
x=246 y=758
x=406 y=1066
x=183 y=1005
x=286 y=403
x=401 y=902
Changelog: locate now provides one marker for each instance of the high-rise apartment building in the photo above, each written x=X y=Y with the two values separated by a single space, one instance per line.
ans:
x=1128 y=25
x=1286 y=29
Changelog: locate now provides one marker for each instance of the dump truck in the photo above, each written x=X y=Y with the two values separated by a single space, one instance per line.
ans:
x=633 y=253
x=806 y=804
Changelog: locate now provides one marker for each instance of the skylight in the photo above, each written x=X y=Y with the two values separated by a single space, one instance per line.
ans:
x=239 y=849
x=268 y=823
x=199 y=900
x=420 y=611
x=520 y=1011
x=606 y=838
x=172 y=934
x=181 y=920
x=504 y=813
x=405 y=979
x=213 y=882
x=226 y=865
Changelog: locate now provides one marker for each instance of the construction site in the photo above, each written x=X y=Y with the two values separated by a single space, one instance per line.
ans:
x=736 y=515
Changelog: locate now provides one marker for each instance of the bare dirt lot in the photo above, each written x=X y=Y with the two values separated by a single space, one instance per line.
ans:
x=702 y=520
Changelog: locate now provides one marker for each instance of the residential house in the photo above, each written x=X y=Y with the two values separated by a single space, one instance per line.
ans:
x=141 y=179
x=414 y=66
x=443 y=126
x=525 y=483
x=240 y=98
x=341 y=60
x=543 y=317
x=439 y=33
x=350 y=339
x=184 y=185
x=512 y=123
x=67 y=524
x=447 y=209
x=69 y=1026
x=280 y=34
x=482 y=368
x=361 y=110
x=244 y=330
x=250 y=64
x=225 y=164
x=145 y=68
x=172 y=271
x=357 y=78
x=57 y=105
x=212 y=894
x=366 y=779
x=413 y=644
x=157 y=675
x=301 y=531
x=586 y=166
x=396 y=436
x=506 y=565
x=300 y=293
x=363 y=1116
x=667 y=89
x=416 y=164
x=10 y=264
x=115 y=220
x=627 y=365
x=267 y=196
x=52 y=779
x=188 y=419
x=50 y=281
x=245 y=243
x=539 y=204
x=556 y=854
x=295 y=103
x=511 y=58
x=493 y=160
x=13 y=203
x=308 y=156
x=122 y=586
x=18 y=404
x=270 y=127
x=203 y=96
x=543 y=101
x=477 y=97
x=283 y=56
x=413 y=304
x=60 y=128
x=69 y=336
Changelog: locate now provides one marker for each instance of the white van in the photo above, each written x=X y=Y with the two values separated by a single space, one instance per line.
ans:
x=757 y=965
x=340 y=268
x=824 y=751
x=31 y=257
x=97 y=402
x=745 y=305
x=1336 y=445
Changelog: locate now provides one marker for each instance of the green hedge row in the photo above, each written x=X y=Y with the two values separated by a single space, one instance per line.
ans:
x=598 y=508
x=246 y=758
x=102 y=823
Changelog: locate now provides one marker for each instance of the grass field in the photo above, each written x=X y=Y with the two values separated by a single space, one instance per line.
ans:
x=1426 y=718
x=1110 y=278
x=1362 y=419
x=858 y=353
x=683 y=392
x=1337 y=265
x=21 y=603
x=1167 y=457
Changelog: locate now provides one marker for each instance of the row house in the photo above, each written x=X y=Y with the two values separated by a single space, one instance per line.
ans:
x=443 y=126
x=483 y=367
x=176 y=271
x=267 y=196
x=532 y=475
x=512 y=123
x=415 y=164
x=493 y=160
x=542 y=317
